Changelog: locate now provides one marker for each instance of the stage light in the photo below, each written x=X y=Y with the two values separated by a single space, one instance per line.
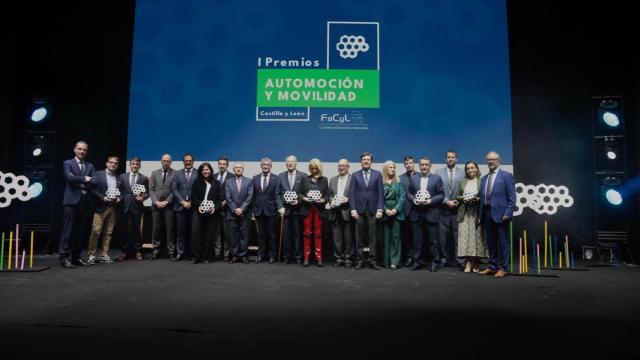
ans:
x=610 y=119
x=37 y=151
x=35 y=190
x=611 y=155
x=39 y=114
x=613 y=197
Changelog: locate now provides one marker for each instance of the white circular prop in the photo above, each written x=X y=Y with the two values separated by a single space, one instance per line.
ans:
x=423 y=195
x=112 y=193
x=337 y=200
x=469 y=194
x=207 y=206
x=314 y=195
x=290 y=196
x=138 y=189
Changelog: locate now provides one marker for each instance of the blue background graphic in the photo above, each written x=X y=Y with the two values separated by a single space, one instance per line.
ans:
x=444 y=79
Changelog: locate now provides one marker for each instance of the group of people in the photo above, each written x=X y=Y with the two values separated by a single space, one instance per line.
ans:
x=213 y=212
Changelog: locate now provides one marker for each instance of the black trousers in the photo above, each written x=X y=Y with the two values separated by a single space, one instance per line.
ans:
x=292 y=236
x=266 y=227
x=221 y=245
x=420 y=227
x=366 y=233
x=238 y=236
x=203 y=230
x=343 y=249
x=75 y=226
x=163 y=218
x=133 y=241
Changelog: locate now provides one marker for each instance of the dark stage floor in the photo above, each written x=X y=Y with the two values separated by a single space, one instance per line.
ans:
x=163 y=308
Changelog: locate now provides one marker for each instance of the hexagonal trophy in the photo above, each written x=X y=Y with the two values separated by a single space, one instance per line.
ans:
x=138 y=189
x=207 y=206
x=290 y=196
x=422 y=196
x=314 y=195
x=112 y=194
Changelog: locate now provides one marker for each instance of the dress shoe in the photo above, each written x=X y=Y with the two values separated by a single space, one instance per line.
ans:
x=415 y=267
x=122 y=257
x=80 y=262
x=433 y=268
x=286 y=261
x=348 y=265
x=179 y=258
x=408 y=263
x=374 y=266
x=258 y=259
x=227 y=259
x=487 y=271
x=66 y=263
x=298 y=262
x=245 y=260
x=500 y=274
x=154 y=256
x=393 y=267
x=358 y=266
x=319 y=263
x=272 y=260
x=306 y=263
x=207 y=261
x=139 y=256
x=194 y=261
x=234 y=260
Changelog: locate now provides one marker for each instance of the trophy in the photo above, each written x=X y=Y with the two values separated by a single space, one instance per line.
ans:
x=138 y=189
x=468 y=195
x=314 y=195
x=207 y=206
x=422 y=196
x=112 y=194
x=290 y=196
x=337 y=201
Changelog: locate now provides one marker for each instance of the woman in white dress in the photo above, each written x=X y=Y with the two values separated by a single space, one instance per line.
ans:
x=471 y=243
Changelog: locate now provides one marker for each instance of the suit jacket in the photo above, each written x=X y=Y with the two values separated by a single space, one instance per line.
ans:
x=405 y=179
x=237 y=199
x=434 y=187
x=181 y=188
x=99 y=188
x=321 y=185
x=266 y=202
x=450 y=188
x=464 y=208
x=199 y=189
x=366 y=199
x=74 y=181
x=130 y=204
x=159 y=191
x=394 y=198
x=503 y=196
x=228 y=175
x=283 y=181
x=343 y=210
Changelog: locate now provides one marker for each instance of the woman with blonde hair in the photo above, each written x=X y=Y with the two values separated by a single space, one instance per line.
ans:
x=315 y=192
x=393 y=215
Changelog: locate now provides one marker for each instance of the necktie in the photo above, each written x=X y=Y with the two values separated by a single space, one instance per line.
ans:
x=219 y=177
x=82 y=167
x=188 y=174
x=164 y=176
x=291 y=180
x=238 y=183
x=133 y=180
x=366 y=178
x=487 y=196
x=450 y=177
x=264 y=182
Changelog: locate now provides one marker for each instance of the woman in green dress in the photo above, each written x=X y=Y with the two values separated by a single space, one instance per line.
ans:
x=471 y=243
x=393 y=215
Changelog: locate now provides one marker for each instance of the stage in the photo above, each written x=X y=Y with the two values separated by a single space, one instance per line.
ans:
x=160 y=308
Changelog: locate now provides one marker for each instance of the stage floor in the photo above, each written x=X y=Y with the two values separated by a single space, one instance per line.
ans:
x=162 y=308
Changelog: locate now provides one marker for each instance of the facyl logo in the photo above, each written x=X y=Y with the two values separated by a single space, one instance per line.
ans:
x=349 y=46
x=352 y=117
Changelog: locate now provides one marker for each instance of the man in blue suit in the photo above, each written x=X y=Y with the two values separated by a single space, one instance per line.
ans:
x=238 y=193
x=77 y=206
x=105 y=211
x=366 y=201
x=425 y=214
x=291 y=180
x=497 y=199
x=264 y=210
x=406 y=237
x=448 y=226
x=181 y=189
x=133 y=208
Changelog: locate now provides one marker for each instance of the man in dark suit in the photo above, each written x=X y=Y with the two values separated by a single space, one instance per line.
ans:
x=162 y=207
x=133 y=208
x=448 y=226
x=425 y=214
x=366 y=201
x=238 y=193
x=497 y=199
x=340 y=217
x=181 y=189
x=291 y=180
x=406 y=237
x=106 y=209
x=264 y=210
x=221 y=245
x=77 y=206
